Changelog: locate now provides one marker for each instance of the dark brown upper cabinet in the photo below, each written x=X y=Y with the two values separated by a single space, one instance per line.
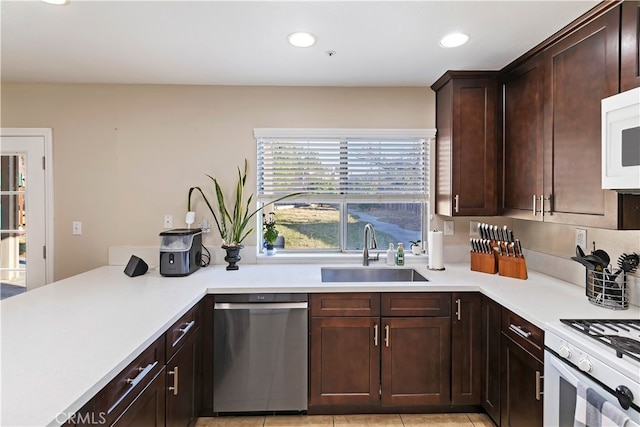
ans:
x=630 y=46
x=466 y=143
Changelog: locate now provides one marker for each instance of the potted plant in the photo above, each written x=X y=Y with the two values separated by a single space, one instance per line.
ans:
x=270 y=232
x=233 y=221
x=416 y=248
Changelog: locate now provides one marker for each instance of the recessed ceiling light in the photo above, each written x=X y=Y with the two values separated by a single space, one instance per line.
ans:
x=454 y=40
x=302 y=39
x=57 y=2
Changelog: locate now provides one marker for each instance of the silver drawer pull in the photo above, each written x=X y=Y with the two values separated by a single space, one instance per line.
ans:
x=518 y=330
x=387 y=335
x=539 y=392
x=375 y=335
x=175 y=381
x=133 y=382
x=184 y=332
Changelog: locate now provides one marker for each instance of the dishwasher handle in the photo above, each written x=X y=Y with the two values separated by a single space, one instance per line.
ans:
x=260 y=306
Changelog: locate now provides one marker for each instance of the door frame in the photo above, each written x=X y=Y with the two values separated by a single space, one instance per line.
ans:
x=46 y=134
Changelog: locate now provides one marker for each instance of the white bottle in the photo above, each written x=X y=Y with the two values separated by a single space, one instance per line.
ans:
x=391 y=255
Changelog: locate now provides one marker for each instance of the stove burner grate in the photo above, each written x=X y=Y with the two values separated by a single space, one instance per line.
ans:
x=621 y=335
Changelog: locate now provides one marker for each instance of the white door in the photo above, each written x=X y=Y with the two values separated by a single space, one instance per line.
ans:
x=25 y=209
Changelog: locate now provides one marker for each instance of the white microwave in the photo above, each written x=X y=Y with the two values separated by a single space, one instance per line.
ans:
x=621 y=142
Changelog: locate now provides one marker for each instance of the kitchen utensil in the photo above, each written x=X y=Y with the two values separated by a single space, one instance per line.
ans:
x=603 y=256
x=597 y=262
x=629 y=262
x=584 y=262
x=579 y=252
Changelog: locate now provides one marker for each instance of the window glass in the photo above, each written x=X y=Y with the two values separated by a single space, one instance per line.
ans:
x=308 y=225
x=392 y=222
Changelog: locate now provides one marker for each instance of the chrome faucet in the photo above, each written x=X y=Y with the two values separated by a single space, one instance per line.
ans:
x=365 y=249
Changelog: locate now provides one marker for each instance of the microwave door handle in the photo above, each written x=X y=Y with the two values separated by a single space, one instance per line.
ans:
x=564 y=372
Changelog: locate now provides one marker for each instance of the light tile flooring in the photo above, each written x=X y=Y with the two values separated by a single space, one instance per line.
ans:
x=386 y=420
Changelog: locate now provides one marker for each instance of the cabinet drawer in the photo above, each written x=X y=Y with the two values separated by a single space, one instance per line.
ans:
x=182 y=329
x=358 y=304
x=416 y=304
x=123 y=389
x=524 y=333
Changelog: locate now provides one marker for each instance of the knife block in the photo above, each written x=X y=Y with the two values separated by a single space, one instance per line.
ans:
x=510 y=266
x=485 y=263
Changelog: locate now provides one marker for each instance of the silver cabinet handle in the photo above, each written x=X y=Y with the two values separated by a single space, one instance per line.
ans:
x=133 y=382
x=175 y=381
x=387 y=335
x=457 y=206
x=184 y=331
x=539 y=391
x=534 y=204
x=542 y=204
x=458 y=309
x=518 y=330
x=375 y=335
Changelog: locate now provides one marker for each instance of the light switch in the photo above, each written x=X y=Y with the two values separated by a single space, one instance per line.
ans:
x=448 y=228
x=77 y=228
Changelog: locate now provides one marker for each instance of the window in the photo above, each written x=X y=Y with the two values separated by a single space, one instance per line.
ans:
x=350 y=177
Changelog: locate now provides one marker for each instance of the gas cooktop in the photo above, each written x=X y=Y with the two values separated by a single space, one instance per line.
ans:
x=621 y=335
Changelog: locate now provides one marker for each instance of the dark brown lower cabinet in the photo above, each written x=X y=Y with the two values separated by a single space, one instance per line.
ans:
x=382 y=359
x=183 y=383
x=344 y=361
x=521 y=400
x=148 y=408
x=415 y=361
x=466 y=348
x=491 y=324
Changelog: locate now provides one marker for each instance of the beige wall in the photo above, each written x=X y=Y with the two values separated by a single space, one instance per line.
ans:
x=125 y=155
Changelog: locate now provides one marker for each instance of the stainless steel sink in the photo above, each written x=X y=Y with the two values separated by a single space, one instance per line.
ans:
x=348 y=274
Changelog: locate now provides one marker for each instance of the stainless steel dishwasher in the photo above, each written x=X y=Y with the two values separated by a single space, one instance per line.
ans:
x=260 y=353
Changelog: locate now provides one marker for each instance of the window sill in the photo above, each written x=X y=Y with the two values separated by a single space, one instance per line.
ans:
x=329 y=258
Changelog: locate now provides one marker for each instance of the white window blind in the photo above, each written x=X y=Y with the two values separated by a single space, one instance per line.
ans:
x=359 y=166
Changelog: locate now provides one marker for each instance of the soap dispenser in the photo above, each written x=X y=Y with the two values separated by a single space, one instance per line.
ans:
x=400 y=254
x=391 y=255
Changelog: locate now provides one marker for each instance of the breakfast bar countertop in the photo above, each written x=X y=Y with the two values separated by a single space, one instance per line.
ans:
x=63 y=342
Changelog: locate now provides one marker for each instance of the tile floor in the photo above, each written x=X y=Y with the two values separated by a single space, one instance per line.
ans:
x=386 y=420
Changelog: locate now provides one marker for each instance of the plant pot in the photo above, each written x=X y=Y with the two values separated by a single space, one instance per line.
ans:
x=416 y=249
x=270 y=250
x=233 y=256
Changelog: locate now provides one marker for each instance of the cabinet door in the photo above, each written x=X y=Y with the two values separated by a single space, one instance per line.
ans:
x=416 y=361
x=523 y=140
x=630 y=46
x=580 y=70
x=466 y=348
x=491 y=320
x=466 y=148
x=521 y=403
x=183 y=383
x=344 y=365
x=148 y=407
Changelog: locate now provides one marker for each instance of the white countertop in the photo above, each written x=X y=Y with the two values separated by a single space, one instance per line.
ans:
x=63 y=342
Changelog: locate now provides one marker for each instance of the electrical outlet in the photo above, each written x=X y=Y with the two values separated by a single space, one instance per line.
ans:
x=448 y=228
x=473 y=228
x=168 y=221
x=581 y=239
x=77 y=228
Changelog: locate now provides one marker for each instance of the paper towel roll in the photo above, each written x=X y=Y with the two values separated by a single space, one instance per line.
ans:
x=436 y=249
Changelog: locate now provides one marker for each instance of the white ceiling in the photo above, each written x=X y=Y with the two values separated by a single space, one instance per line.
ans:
x=377 y=43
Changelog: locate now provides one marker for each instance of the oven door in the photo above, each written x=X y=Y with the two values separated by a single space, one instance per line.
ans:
x=560 y=389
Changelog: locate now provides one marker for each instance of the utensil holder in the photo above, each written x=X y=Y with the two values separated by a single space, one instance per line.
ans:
x=485 y=263
x=512 y=266
x=601 y=290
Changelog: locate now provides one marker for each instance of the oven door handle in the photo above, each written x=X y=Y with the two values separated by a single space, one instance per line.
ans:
x=564 y=372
